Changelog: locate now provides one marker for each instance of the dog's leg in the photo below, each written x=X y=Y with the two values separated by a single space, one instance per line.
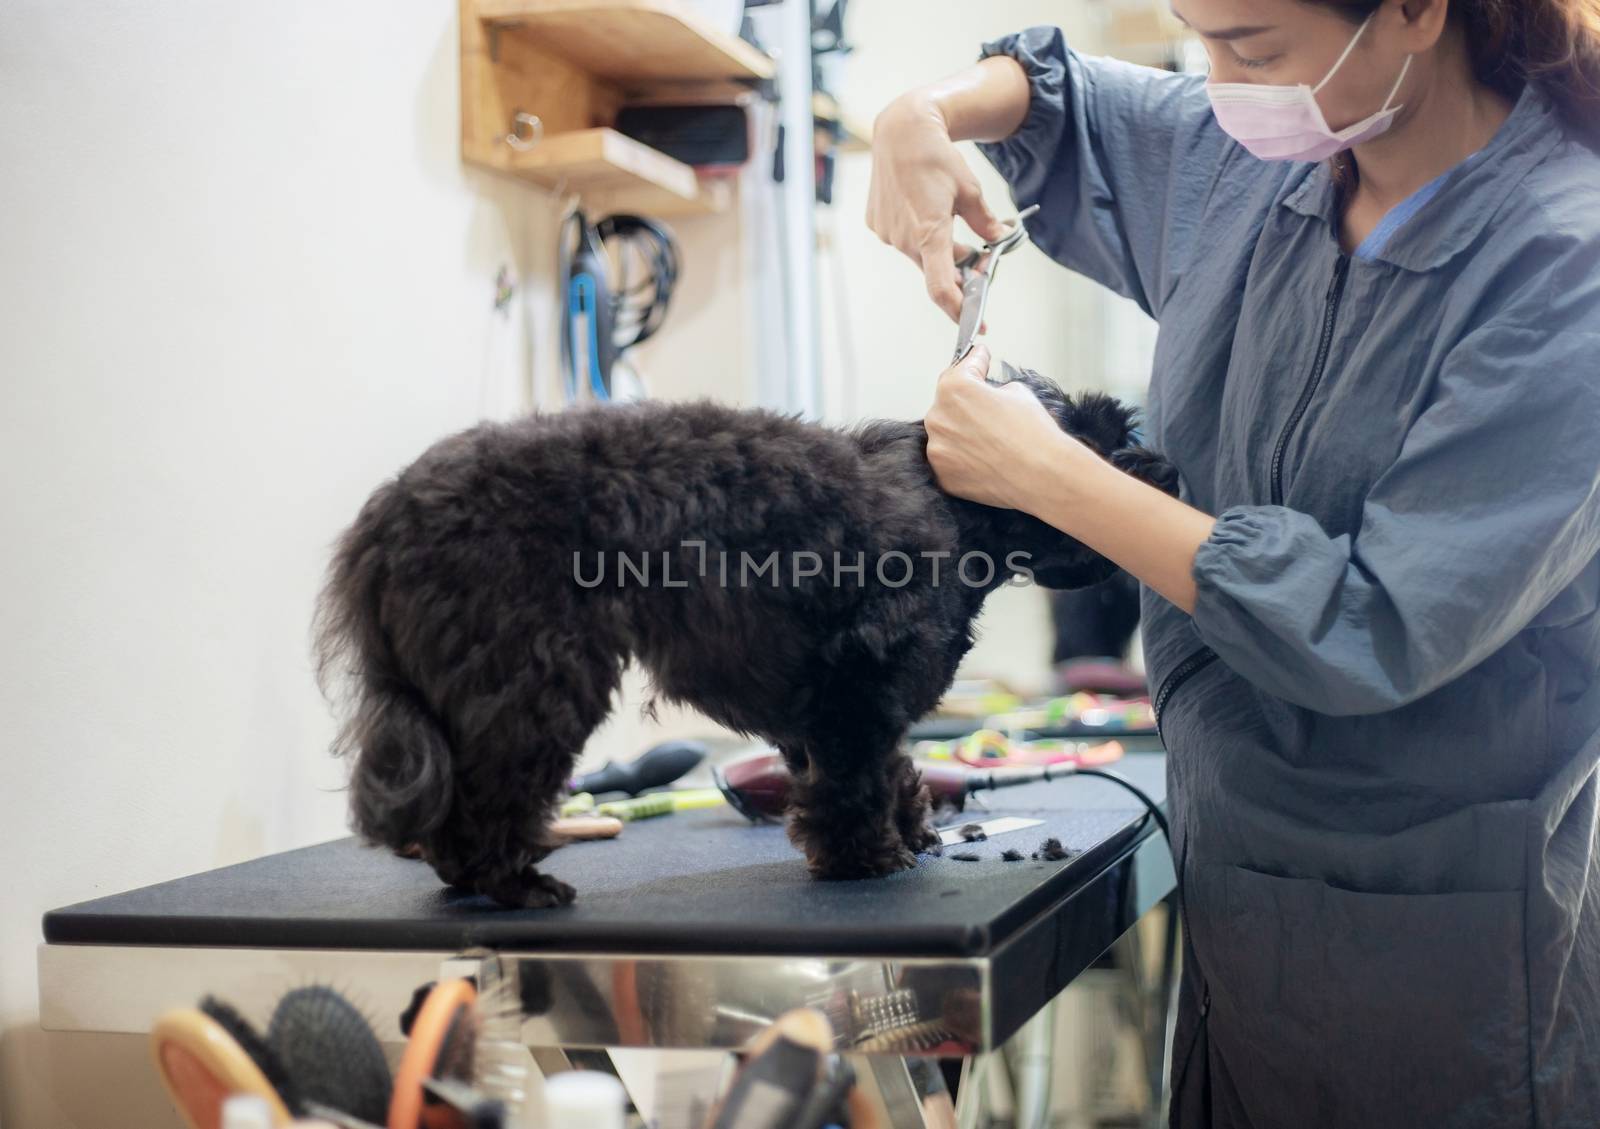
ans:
x=843 y=813
x=912 y=810
x=515 y=759
x=494 y=839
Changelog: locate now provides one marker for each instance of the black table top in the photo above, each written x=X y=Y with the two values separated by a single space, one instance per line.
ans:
x=702 y=882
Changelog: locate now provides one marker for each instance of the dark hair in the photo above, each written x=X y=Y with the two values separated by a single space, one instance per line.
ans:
x=1554 y=43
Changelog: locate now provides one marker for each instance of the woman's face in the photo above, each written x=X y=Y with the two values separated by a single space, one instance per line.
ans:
x=1288 y=42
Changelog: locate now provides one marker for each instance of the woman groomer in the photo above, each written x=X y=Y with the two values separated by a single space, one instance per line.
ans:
x=1372 y=242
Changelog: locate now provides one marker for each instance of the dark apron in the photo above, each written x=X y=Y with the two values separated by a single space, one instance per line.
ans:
x=1345 y=967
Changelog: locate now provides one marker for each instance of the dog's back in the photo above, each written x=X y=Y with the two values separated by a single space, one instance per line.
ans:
x=487 y=599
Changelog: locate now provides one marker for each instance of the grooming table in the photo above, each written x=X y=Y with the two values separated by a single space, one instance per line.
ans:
x=693 y=930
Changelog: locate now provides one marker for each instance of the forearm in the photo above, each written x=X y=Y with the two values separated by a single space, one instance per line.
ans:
x=1151 y=534
x=984 y=102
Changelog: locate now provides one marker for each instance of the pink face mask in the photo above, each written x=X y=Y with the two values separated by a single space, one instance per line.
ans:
x=1284 y=123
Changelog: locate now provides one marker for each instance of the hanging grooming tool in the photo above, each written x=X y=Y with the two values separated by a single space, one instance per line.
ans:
x=617 y=278
x=588 y=347
x=646 y=260
x=977 y=276
x=657 y=767
x=205 y=1054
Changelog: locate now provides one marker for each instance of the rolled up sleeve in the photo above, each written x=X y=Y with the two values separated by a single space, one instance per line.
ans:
x=1490 y=510
x=1120 y=158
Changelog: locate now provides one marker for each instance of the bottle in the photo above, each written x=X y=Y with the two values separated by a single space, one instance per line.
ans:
x=584 y=1099
x=246 y=1111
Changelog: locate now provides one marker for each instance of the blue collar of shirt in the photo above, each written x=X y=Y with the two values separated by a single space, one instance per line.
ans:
x=1464 y=199
x=1399 y=215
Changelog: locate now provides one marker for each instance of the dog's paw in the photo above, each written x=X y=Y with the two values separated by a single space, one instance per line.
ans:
x=920 y=839
x=531 y=889
x=875 y=864
x=541 y=891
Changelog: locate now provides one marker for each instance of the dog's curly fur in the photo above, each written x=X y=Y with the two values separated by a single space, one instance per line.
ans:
x=477 y=664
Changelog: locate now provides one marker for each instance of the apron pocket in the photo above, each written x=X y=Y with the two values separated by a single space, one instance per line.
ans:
x=1334 y=1007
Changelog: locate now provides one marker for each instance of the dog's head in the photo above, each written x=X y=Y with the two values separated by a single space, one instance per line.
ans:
x=1105 y=425
x=1101 y=422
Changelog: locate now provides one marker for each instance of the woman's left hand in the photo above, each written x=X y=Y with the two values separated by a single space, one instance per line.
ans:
x=996 y=444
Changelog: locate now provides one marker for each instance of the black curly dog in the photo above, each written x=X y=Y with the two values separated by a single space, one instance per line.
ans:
x=808 y=585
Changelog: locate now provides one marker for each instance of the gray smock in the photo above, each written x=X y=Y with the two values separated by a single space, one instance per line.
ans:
x=1382 y=718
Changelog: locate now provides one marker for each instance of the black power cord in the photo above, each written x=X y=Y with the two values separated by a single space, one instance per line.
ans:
x=1144 y=797
x=617 y=278
x=639 y=301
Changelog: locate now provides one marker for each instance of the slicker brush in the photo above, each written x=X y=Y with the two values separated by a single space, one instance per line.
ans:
x=329 y=1049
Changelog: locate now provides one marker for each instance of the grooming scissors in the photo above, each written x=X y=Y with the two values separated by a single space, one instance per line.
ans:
x=977 y=275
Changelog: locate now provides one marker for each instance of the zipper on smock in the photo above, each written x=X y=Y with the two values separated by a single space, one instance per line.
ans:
x=1179 y=675
x=1330 y=313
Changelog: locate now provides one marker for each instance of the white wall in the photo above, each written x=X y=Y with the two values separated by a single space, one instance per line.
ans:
x=242 y=278
x=1039 y=315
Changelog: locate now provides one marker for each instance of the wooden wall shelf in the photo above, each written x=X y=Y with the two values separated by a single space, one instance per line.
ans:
x=630 y=41
x=572 y=64
x=616 y=173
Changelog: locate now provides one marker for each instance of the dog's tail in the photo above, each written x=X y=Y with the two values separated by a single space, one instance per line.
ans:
x=400 y=785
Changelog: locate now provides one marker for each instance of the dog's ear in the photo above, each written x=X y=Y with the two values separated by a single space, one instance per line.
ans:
x=1048 y=393
x=1098 y=420
x=1102 y=421
x=1147 y=465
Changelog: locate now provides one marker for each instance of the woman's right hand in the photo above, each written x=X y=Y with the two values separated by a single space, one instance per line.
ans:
x=919 y=182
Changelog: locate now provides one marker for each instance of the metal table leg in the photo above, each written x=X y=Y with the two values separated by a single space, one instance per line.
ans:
x=970 y=1090
x=1030 y=1056
x=885 y=1083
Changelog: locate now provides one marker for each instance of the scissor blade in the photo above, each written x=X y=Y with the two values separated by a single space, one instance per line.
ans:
x=977 y=274
x=974 y=295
